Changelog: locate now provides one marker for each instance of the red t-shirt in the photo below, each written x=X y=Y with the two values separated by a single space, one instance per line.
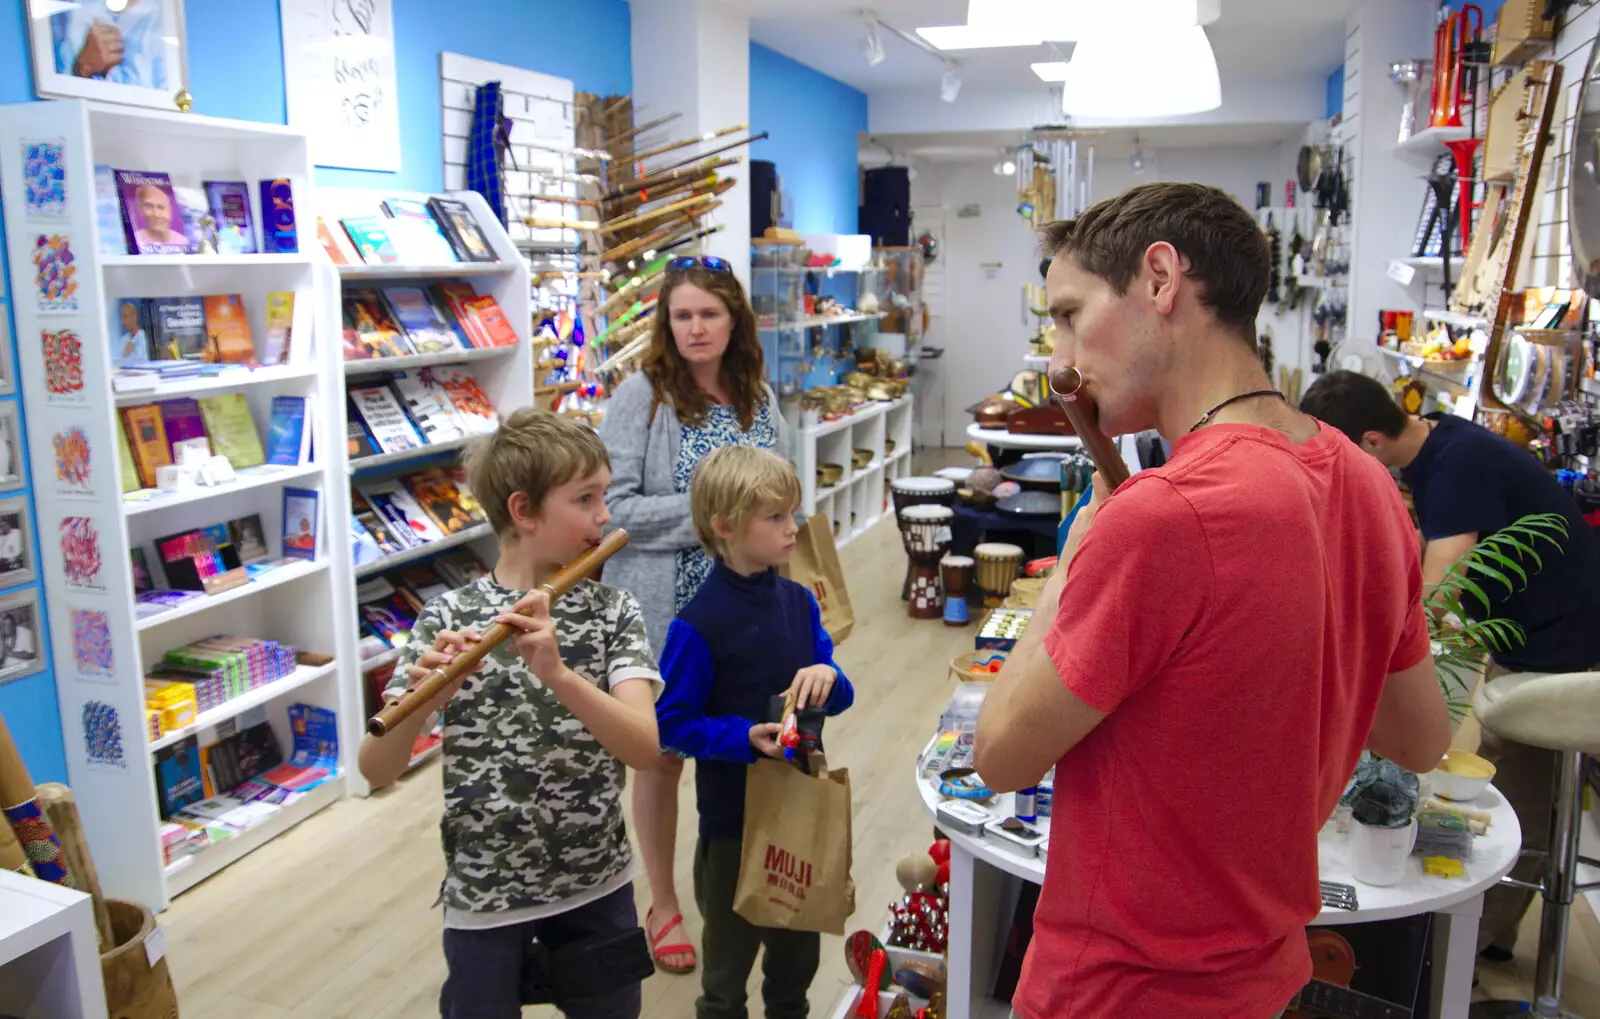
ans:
x=1235 y=612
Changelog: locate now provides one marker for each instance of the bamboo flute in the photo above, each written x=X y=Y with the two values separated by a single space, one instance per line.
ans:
x=1065 y=384
x=640 y=157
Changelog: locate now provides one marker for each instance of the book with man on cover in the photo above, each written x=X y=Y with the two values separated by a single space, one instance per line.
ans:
x=150 y=213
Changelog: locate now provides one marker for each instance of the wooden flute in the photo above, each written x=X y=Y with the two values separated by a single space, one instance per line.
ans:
x=428 y=687
x=1065 y=382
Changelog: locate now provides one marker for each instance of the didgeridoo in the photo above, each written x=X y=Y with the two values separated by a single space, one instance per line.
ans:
x=1065 y=384
x=428 y=686
x=19 y=803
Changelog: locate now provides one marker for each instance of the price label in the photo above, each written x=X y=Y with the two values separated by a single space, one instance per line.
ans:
x=1402 y=273
x=155 y=947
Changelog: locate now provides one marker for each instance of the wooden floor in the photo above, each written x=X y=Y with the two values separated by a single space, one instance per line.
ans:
x=335 y=918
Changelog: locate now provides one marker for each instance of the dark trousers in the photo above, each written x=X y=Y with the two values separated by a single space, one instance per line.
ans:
x=485 y=966
x=730 y=942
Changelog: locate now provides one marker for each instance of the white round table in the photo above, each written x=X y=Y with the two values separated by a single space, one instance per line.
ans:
x=985 y=879
x=1002 y=439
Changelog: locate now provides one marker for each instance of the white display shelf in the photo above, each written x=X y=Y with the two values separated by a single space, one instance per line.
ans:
x=452 y=270
x=203 y=261
x=49 y=956
x=237 y=706
x=1456 y=318
x=382 y=365
x=1431 y=139
x=244 y=482
x=367 y=463
x=856 y=503
x=504 y=373
x=117 y=800
x=183 y=874
x=817 y=321
x=422 y=551
x=211 y=602
x=131 y=395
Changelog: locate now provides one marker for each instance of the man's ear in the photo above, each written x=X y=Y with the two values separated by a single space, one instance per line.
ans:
x=1373 y=441
x=1164 y=272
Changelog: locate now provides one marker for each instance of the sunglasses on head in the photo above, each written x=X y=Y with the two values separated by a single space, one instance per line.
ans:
x=709 y=262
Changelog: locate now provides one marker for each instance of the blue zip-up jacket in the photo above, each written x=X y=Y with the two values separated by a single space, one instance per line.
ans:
x=736 y=645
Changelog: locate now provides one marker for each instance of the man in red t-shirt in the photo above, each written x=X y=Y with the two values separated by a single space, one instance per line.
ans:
x=1226 y=633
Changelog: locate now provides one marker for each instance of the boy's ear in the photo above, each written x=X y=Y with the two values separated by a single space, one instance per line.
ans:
x=722 y=529
x=522 y=513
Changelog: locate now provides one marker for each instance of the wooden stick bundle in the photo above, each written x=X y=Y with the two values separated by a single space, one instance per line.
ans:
x=629 y=222
x=660 y=150
x=428 y=687
x=634 y=132
x=651 y=183
x=62 y=808
x=685 y=221
x=1064 y=386
x=653 y=170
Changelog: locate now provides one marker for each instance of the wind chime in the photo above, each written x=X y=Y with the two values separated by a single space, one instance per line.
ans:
x=1054 y=177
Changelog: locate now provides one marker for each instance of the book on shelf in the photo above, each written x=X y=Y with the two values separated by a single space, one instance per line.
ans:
x=278 y=232
x=385 y=419
x=178 y=328
x=152 y=219
x=229 y=202
x=301 y=522
x=228 y=330
x=289 y=431
x=428 y=405
x=194 y=208
x=368 y=518
x=336 y=245
x=370 y=237
x=232 y=430
x=358 y=441
x=364 y=547
x=128 y=336
x=280 y=327
x=400 y=513
x=179 y=778
x=418 y=584
x=474 y=412
x=384 y=613
x=370 y=330
x=249 y=538
x=420 y=319
x=181 y=422
x=147 y=442
x=462 y=229
x=108 y=212
x=436 y=492
x=416 y=234
x=460 y=567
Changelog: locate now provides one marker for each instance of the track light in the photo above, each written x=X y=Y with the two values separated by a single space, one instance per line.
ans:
x=872 y=45
x=1136 y=158
x=950 y=85
x=1005 y=166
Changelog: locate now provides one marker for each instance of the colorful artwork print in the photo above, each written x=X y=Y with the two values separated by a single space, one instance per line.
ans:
x=91 y=643
x=39 y=842
x=80 y=552
x=71 y=446
x=55 y=273
x=63 y=365
x=44 y=179
x=102 y=735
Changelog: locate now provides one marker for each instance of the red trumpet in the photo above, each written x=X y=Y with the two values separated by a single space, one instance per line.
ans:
x=1464 y=149
x=1450 y=44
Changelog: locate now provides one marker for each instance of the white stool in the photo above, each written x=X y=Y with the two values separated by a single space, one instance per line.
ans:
x=1559 y=712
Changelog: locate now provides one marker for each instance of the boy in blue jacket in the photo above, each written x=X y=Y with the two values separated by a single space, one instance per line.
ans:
x=746 y=637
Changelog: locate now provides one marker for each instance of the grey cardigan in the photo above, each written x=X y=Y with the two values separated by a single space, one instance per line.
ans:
x=643 y=499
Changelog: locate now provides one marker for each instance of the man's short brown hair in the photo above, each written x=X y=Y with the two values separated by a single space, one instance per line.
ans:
x=1222 y=248
x=735 y=484
x=532 y=452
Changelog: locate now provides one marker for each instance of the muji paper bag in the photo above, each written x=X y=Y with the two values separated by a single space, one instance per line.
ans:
x=815 y=565
x=795 y=871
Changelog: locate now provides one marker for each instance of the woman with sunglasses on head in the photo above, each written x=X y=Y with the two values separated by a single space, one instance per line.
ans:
x=701 y=386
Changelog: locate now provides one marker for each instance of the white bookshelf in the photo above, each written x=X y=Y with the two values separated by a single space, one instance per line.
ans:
x=504 y=373
x=857 y=502
x=116 y=792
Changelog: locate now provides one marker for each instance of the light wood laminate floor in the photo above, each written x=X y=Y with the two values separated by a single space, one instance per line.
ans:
x=334 y=920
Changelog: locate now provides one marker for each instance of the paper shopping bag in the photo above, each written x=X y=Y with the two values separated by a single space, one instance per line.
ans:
x=795 y=869
x=815 y=564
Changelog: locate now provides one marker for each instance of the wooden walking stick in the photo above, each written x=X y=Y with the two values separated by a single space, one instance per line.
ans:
x=428 y=687
x=659 y=180
x=640 y=157
x=19 y=802
x=62 y=809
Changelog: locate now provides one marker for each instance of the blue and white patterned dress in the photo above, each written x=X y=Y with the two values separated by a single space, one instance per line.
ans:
x=720 y=428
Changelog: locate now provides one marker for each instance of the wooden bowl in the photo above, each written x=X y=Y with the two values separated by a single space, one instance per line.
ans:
x=829 y=474
x=961 y=666
x=859 y=458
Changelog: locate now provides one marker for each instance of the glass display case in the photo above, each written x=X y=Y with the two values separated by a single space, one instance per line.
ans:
x=812 y=319
x=898 y=289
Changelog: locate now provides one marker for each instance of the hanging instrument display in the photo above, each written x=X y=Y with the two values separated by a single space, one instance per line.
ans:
x=428 y=687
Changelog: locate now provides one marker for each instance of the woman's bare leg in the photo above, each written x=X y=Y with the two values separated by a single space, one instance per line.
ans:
x=655 y=822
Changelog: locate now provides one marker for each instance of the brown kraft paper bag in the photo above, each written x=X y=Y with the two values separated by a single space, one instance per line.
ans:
x=794 y=873
x=815 y=565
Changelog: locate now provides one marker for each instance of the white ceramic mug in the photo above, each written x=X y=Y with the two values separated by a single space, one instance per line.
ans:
x=1378 y=855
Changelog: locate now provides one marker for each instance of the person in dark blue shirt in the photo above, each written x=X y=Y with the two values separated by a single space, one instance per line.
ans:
x=1468 y=483
x=747 y=636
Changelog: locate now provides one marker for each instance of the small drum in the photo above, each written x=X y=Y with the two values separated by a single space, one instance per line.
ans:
x=998 y=566
x=906 y=492
x=956 y=572
x=927 y=537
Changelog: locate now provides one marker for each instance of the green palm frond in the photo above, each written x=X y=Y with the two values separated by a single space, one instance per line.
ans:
x=1504 y=560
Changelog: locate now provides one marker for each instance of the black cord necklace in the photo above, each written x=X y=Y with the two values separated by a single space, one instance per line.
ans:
x=1235 y=399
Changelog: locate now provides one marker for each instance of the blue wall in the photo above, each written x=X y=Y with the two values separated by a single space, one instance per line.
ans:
x=814 y=121
x=236 y=70
x=1335 y=93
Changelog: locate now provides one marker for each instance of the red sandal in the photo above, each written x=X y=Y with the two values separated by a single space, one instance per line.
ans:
x=659 y=952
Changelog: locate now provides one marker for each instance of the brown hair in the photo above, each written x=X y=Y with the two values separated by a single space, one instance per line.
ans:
x=1222 y=248
x=532 y=452
x=736 y=483
x=743 y=364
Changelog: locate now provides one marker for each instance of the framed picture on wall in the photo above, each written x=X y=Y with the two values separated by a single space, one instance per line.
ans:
x=10 y=447
x=16 y=545
x=131 y=52
x=8 y=375
x=19 y=634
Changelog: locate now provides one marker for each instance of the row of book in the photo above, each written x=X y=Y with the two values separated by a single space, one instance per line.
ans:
x=156 y=435
x=388 y=605
x=212 y=792
x=436 y=232
x=400 y=321
x=147 y=334
x=142 y=212
x=200 y=561
x=416 y=408
x=208 y=673
x=408 y=512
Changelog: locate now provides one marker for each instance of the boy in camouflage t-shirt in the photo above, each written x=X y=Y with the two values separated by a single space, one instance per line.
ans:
x=537 y=737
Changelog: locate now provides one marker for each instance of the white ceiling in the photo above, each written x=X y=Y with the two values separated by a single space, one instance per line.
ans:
x=1115 y=143
x=1261 y=39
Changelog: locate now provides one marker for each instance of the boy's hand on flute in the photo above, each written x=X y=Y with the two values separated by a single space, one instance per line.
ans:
x=446 y=645
x=535 y=637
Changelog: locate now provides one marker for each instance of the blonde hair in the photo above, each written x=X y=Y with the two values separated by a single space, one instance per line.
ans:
x=736 y=483
x=532 y=452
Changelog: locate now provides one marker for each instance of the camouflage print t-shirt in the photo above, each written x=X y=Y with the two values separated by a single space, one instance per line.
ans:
x=532 y=801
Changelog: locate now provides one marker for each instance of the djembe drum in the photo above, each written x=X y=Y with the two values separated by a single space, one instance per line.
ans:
x=998 y=566
x=926 y=528
x=918 y=491
x=956 y=572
